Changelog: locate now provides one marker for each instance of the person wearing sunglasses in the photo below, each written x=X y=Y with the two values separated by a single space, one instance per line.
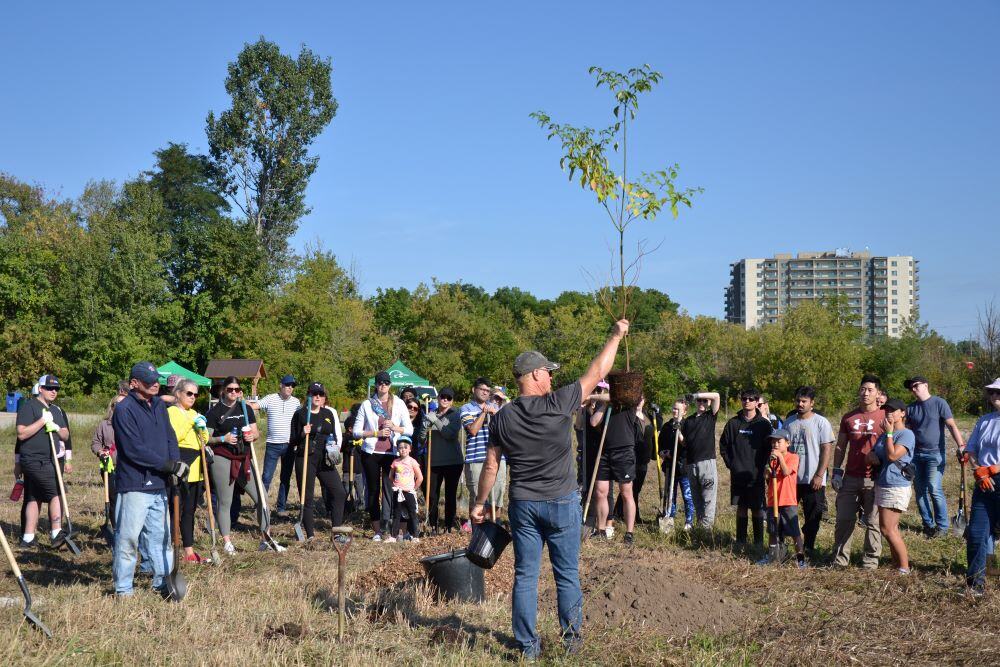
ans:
x=983 y=450
x=380 y=422
x=443 y=427
x=698 y=436
x=38 y=420
x=188 y=426
x=230 y=443
x=746 y=447
x=325 y=442
x=279 y=407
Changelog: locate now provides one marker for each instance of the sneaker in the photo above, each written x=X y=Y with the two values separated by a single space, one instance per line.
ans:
x=976 y=591
x=904 y=570
x=466 y=527
x=800 y=560
x=688 y=527
x=24 y=544
x=766 y=560
x=229 y=547
x=389 y=539
x=629 y=539
x=596 y=534
x=940 y=532
x=195 y=558
x=377 y=537
x=610 y=532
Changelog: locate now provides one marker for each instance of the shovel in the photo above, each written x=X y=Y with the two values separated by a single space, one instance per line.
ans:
x=427 y=493
x=667 y=522
x=108 y=529
x=207 y=474
x=341 y=542
x=176 y=583
x=65 y=535
x=28 y=614
x=777 y=550
x=655 y=410
x=300 y=533
x=961 y=520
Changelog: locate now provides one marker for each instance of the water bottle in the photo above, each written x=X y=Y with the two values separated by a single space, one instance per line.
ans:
x=236 y=435
x=332 y=450
x=18 y=489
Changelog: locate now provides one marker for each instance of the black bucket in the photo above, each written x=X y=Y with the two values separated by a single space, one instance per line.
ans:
x=488 y=542
x=455 y=577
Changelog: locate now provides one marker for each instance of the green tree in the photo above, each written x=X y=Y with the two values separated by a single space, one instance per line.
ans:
x=279 y=106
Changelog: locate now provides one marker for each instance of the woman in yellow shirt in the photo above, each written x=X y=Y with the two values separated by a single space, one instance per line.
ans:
x=187 y=425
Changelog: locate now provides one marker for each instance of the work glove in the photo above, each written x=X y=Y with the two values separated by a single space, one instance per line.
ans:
x=178 y=469
x=963 y=456
x=984 y=477
x=201 y=423
x=837 y=479
x=209 y=455
x=47 y=416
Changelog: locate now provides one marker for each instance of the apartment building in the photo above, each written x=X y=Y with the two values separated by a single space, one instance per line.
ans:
x=883 y=291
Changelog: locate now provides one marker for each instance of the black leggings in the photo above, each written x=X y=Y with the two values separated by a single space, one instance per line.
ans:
x=190 y=493
x=450 y=475
x=409 y=502
x=378 y=468
x=330 y=485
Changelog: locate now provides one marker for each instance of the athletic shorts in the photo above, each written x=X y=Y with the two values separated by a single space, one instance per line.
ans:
x=788 y=519
x=617 y=465
x=40 y=483
x=893 y=497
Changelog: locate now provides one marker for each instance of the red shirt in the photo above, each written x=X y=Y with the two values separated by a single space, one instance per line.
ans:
x=862 y=430
x=787 y=491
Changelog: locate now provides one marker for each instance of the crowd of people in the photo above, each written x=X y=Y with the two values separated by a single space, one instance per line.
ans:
x=399 y=456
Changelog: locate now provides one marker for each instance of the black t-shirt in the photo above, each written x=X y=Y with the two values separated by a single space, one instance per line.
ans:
x=698 y=432
x=624 y=432
x=38 y=447
x=223 y=419
x=535 y=433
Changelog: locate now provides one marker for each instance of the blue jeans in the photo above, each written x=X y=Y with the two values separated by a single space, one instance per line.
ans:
x=137 y=512
x=984 y=513
x=683 y=489
x=927 y=486
x=273 y=453
x=555 y=523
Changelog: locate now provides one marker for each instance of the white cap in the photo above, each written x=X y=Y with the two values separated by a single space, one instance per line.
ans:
x=994 y=385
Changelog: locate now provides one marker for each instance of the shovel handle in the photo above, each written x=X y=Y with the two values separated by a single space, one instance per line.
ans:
x=62 y=488
x=10 y=555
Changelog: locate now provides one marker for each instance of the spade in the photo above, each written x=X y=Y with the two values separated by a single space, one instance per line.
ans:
x=28 y=614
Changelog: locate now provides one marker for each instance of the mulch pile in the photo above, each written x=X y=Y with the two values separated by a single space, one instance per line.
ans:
x=403 y=564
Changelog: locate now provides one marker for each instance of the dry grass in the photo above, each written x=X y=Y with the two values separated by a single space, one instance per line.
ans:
x=281 y=608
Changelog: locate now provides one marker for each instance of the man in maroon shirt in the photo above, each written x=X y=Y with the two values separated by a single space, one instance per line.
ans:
x=855 y=482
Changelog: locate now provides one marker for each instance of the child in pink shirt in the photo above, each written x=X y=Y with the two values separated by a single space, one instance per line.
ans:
x=406 y=477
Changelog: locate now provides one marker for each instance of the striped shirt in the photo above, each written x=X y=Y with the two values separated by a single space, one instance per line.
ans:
x=279 y=417
x=475 y=445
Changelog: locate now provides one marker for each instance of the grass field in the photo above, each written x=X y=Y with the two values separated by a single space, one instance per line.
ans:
x=266 y=608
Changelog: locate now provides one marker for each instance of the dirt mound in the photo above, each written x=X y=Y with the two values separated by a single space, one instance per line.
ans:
x=644 y=589
x=404 y=564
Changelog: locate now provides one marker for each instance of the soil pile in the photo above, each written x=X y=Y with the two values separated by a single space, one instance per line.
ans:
x=651 y=593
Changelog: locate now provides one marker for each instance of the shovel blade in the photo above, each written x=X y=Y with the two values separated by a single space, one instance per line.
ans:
x=300 y=534
x=109 y=536
x=28 y=614
x=176 y=586
x=959 y=524
x=666 y=524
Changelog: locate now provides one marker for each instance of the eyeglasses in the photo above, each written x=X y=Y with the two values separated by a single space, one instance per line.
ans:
x=749 y=399
x=51 y=388
x=382 y=384
x=445 y=398
x=292 y=385
x=190 y=394
x=233 y=390
x=413 y=408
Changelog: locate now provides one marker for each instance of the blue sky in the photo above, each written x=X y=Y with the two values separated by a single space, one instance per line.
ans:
x=810 y=127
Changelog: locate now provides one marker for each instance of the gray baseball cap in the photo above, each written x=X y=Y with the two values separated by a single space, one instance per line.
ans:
x=532 y=360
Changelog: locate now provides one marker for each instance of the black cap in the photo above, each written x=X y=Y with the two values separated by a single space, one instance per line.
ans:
x=916 y=379
x=48 y=381
x=316 y=389
x=383 y=376
x=447 y=392
x=893 y=404
x=288 y=379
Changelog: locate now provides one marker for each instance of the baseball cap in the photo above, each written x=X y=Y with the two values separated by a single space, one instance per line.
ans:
x=893 y=404
x=447 y=392
x=48 y=381
x=780 y=434
x=532 y=360
x=288 y=379
x=404 y=438
x=145 y=372
x=316 y=389
x=382 y=376
x=993 y=385
x=916 y=379
x=603 y=384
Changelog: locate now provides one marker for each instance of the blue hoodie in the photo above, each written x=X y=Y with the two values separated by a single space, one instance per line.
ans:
x=145 y=441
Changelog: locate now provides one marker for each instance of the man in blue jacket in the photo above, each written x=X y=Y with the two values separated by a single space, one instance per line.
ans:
x=147 y=458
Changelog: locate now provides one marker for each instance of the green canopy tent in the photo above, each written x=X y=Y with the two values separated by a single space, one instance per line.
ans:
x=174 y=368
x=402 y=376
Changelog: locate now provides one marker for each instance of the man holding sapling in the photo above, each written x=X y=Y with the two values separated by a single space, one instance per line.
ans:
x=534 y=432
x=698 y=435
